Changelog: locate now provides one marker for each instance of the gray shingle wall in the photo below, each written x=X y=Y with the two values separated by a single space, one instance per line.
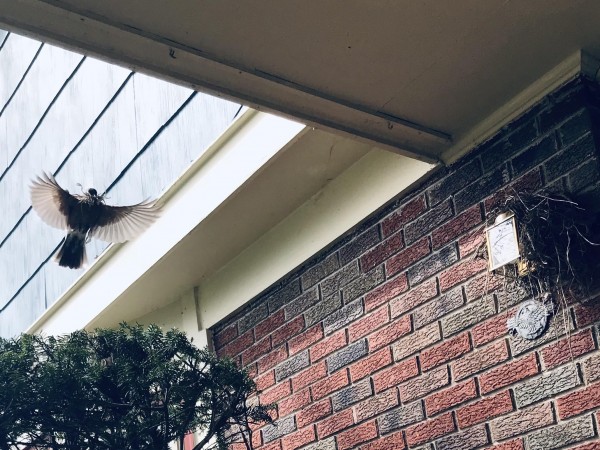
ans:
x=87 y=122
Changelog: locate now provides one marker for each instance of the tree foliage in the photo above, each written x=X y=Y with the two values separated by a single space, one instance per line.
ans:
x=129 y=388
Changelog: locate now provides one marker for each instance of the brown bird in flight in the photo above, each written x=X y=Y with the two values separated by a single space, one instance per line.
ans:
x=86 y=216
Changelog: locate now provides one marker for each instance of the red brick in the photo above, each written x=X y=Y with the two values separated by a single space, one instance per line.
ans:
x=564 y=350
x=257 y=350
x=530 y=182
x=272 y=359
x=370 y=364
x=290 y=329
x=416 y=341
x=461 y=272
x=241 y=446
x=226 y=335
x=313 y=412
x=357 y=435
x=293 y=403
x=386 y=292
x=367 y=324
x=273 y=414
x=587 y=313
x=454 y=395
x=398 y=219
x=305 y=339
x=508 y=373
x=407 y=257
x=522 y=421
x=430 y=429
x=270 y=446
x=265 y=381
x=374 y=406
x=305 y=378
x=269 y=325
x=479 y=360
x=255 y=426
x=572 y=298
x=455 y=227
x=588 y=446
x=494 y=201
x=389 y=333
x=335 y=423
x=329 y=345
x=299 y=438
x=236 y=346
x=276 y=393
x=381 y=252
x=515 y=444
x=447 y=350
x=392 y=442
x=579 y=402
x=414 y=298
x=331 y=384
x=471 y=242
x=481 y=285
x=492 y=328
x=252 y=370
x=396 y=374
x=484 y=409
x=256 y=437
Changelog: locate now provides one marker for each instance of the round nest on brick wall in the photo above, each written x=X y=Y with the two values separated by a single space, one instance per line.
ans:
x=558 y=242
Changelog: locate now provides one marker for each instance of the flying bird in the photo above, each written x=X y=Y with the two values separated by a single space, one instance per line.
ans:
x=85 y=216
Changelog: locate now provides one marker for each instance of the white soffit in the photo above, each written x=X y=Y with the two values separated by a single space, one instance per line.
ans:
x=372 y=181
x=271 y=193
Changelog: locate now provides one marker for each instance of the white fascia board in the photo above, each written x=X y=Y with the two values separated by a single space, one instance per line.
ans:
x=232 y=160
x=371 y=182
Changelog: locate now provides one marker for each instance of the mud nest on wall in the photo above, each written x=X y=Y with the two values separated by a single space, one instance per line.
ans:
x=558 y=242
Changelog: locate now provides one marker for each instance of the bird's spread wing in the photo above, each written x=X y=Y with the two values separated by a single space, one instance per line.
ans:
x=50 y=201
x=122 y=223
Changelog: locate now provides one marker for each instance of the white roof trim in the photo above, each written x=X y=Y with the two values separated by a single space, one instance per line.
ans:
x=208 y=183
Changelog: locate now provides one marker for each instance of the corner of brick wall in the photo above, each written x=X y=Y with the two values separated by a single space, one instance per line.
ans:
x=396 y=337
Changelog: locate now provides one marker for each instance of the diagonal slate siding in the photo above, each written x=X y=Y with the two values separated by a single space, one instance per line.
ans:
x=17 y=54
x=88 y=122
x=457 y=380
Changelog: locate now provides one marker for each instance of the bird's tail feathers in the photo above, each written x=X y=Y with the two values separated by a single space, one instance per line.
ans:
x=72 y=252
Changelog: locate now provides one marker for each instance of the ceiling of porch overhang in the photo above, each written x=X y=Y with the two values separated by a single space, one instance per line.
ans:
x=414 y=76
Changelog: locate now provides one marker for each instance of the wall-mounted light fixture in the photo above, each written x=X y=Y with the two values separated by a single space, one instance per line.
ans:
x=502 y=242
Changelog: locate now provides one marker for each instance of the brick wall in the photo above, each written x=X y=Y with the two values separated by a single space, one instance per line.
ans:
x=396 y=336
